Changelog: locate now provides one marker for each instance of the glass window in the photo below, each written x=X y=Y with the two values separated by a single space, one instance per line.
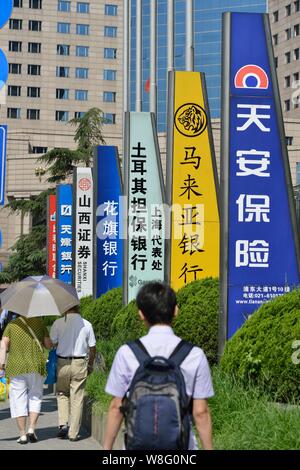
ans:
x=35 y=4
x=110 y=31
x=15 y=46
x=275 y=16
x=33 y=92
x=63 y=72
x=287 y=81
x=14 y=113
x=14 y=90
x=111 y=10
x=18 y=3
x=34 y=47
x=288 y=10
x=82 y=51
x=62 y=116
x=109 y=96
x=287 y=57
x=110 y=53
x=109 y=118
x=15 y=24
x=276 y=62
x=81 y=95
x=297 y=5
x=81 y=73
x=296 y=76
x=33 y=69
x=275 y=39
x=296 y=53
x=63 y=5
x=289 y=140
x=34 y=25
x=63 y=49
x=33 y=114
x=288 y=33
x=287 y=105
x=35 y=149
x=79 y=114
x=296 y=30
x=63 y=28
x=83 y=7
x=109 y=74
x=15 y=68
x=62 y=93
x=82 y=29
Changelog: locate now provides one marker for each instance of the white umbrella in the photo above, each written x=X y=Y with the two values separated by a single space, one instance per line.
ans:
x=38 y=296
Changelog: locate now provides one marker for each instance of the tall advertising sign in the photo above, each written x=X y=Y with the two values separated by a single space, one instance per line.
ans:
x=108 y=262
x=83 y=231
x=51 y=235
x=3 y=140
x=144 y=253
x=6 y=7
x=64 y=232
x=260 y=247
x=192 y=183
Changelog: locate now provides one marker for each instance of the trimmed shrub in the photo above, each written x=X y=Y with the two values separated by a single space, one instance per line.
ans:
x=261 y=350
x=127 y=325
x=86 y=306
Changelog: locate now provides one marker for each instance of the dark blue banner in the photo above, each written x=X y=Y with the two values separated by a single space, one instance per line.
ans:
x=64 y=229
x=263 y=259
x=3 y=140
x=109 y=245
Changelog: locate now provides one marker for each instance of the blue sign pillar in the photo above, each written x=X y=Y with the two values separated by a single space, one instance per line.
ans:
x=64 y=232
x=5 y=12
x=3 y=140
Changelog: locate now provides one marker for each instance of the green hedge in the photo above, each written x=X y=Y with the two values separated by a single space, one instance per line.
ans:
x=261 y=350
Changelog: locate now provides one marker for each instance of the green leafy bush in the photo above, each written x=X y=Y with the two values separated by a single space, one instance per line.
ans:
x=86 y=306
x=127 y=324
x=262 y=350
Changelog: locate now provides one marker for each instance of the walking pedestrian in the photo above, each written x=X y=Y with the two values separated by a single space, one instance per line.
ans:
x=161 y=378
x=26 y=369
x=76 y=349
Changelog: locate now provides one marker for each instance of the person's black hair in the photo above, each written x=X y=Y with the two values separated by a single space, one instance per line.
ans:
x=157 y=302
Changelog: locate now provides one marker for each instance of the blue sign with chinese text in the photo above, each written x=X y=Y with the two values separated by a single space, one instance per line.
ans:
x=3 y=140
x=263 y=261
x=6 y=7
x=108 y=269
x=64 y=232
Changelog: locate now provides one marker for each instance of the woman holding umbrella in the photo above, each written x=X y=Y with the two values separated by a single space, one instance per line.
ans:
x=23 y=339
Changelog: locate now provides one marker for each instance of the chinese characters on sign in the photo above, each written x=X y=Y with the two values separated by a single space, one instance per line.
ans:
x=64 y=233
x=51 y=236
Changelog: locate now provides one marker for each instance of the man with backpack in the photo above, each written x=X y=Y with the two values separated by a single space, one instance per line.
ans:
x=159 y=382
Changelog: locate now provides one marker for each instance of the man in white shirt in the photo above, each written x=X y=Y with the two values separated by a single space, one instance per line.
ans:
x=75 y=341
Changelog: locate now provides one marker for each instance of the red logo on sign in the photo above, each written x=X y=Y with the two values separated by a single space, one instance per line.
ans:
x=256 y=73
x=84 y=184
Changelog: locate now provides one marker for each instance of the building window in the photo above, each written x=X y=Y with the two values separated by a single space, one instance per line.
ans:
x=275 y=39
x=79 y=114
x=297 y=6
x=39 y=150
x=296 y=53
x=109 y=118
x=15 y=46
x=33 y=114
x=275 y=16
x=62 y=116
x=83 y=7
x=82 y=51
x=15 y=24
x=62 y=93
x=110 y=53
x=109 y=96
x=34 y=47
x=14 y=113
x=35 y=4
x=109 y=74
x=288 y=10
x=288 y=33
x=110 y=31
x=276 y=62
x=82 y=29
x=287 y=105
x=296 y=30
x=63 y=72
x=287 y=57
x=296 y=76
x=64 y=28
x=14 y=90
x=33 y=69
x=289 y=140
x=63 y=6
x=111 y=10
x=287 y=81
x=33 y=92
x=62 y=49
x=18 y=3
x=81 y=95
x=34 y=25
x=15 y=68
x=81 y=73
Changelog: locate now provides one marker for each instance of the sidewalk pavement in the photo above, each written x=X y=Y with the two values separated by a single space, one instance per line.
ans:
x=46 y=431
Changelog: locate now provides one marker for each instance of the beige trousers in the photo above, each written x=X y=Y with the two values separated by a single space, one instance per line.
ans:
x=71 y=379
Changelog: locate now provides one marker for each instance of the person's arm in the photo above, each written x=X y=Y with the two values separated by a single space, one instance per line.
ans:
x=202 y=418
x=92 y=354
x=113 y=423
x=47 y=342
x=4 y=347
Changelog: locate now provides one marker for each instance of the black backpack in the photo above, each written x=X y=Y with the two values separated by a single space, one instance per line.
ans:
x=157 y=408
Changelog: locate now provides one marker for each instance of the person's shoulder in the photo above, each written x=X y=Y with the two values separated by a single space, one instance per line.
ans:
x=87 y=323
x=196 y=352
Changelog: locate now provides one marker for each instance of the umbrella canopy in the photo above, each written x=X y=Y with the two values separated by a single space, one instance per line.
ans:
x=38 y=296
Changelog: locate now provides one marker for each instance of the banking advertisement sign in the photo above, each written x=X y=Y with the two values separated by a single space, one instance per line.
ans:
x=83 y=231
x=64 y=232
x=51 y=235
x=192 y=183
x=260 y=252
x=3 y=141
x=108 y=264
x=144 y=254
x=6 y=7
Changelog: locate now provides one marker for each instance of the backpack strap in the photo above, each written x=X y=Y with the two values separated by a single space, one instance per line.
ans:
x=139 y=350
x=181 y=351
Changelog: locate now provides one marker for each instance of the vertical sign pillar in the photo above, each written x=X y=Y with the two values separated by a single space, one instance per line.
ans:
x=64 y=232
x=51 y=236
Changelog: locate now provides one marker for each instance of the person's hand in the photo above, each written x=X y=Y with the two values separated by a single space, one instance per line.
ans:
x=2 y=372
x=90 y=369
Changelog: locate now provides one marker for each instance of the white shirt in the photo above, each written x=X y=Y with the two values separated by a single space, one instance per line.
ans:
x=73 y=335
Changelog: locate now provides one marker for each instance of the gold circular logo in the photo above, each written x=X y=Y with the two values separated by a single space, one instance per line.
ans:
x=190 y=120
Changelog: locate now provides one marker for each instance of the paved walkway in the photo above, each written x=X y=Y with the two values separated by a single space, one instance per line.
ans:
x=46 y=431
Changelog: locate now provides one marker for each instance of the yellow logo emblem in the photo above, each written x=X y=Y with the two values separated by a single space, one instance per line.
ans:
x=190 y=120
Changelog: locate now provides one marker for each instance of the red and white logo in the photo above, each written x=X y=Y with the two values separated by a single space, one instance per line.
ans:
x=251 y=76
x=84 y=184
